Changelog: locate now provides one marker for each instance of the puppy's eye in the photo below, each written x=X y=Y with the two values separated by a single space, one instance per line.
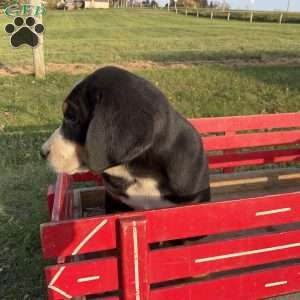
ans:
x=71 y=119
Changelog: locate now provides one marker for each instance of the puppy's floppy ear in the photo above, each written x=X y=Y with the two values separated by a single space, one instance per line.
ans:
x=118 y=132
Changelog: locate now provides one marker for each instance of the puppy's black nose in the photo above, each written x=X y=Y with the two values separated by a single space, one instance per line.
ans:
x=44 y=153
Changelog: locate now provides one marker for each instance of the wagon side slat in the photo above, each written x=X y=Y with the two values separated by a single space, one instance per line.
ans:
x=240 y=123
x=50 y=199
x=255 y=285
x=80 y=236
x=134 y=261
x=65 y=281
x=202 y=259
x=87 y=176
x=253 y=158
x=250 y=140
x=172 y=223
x=60 y=209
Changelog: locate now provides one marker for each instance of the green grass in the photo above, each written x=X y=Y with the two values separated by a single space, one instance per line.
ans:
x=30 y=109
x=109 y=36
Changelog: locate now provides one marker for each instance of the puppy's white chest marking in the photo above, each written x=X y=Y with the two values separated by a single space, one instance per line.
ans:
x=119 y=171
x=144 y=186
x=143 y=193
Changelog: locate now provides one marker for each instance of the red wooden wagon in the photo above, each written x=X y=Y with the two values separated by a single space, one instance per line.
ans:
x=252 y=244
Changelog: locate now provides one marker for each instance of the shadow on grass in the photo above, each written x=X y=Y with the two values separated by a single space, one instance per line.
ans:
x=239 y=53
x=277 y=86
x=218 y=90
x=280 y=75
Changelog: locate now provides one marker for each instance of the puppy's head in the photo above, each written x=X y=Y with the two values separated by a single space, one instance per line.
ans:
x=101 y=127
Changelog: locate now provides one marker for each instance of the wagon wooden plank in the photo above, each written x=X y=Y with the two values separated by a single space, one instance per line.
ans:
x=87 y=176
x=202 y=259
x=240 y=123
x=250 y=140
x=223 y=184
x=253 y=158
x=60 y=209
x=134 y=258
x=99 y=233
x=50 y=199
x=77 y=213
x=255 y=285
x=106 y=298
x=66 y=281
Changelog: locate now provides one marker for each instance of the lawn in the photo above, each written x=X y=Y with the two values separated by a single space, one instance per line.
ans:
x=205 y=68
x=126 y=35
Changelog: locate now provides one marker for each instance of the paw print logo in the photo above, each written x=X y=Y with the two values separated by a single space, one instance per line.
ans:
x=24 y=32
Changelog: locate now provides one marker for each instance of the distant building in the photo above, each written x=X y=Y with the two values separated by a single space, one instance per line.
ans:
x=96 y=3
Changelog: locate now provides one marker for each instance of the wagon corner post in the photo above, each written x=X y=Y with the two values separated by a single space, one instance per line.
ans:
x=134 y=258
x=38 y=51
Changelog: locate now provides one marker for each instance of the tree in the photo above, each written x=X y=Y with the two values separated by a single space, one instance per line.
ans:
x=4 y=3
x=190 y=3
x=203 y=3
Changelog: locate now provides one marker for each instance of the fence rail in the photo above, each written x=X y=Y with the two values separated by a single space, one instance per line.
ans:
x=247 y=15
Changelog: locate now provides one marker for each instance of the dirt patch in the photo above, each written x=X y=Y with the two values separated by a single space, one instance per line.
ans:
x=78 y=68
x=14 y=70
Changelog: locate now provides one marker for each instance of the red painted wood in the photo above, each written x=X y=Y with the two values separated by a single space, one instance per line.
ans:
x=60 y=207
x=229 y=170
x=250 y=158
x=50 y=199
x=106 y=298
x=248 y=286
x=172 y=223
x=253 y=158
x=249 y=140
x=82 y=278
x=134 y=258
x=87 y=176
x=170 y=264
x=252 y=122
x=74 y=232
x=180 y=262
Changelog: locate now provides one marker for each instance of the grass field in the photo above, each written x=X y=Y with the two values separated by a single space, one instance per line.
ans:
x=205 y=68
x=127 y=35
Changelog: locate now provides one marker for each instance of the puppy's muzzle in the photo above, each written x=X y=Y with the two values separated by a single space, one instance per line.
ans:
x=63 y=155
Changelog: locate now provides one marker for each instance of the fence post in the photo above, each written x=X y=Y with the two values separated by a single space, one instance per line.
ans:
x=212 y=15
x=281 y=17
x=197 y=13
x=38 y=51
x=228 y=16
x=186 y=13
x=134 y=258
x=251 y=17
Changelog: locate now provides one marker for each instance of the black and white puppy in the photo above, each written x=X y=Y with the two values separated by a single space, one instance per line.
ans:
x=122 y=126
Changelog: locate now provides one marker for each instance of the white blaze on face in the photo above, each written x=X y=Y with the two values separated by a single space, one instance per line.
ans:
x=63 y=154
